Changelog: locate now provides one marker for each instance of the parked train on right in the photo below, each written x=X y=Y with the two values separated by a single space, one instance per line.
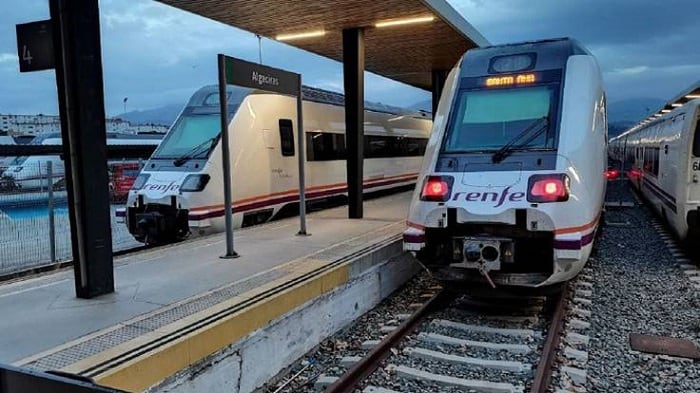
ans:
x=662 y=159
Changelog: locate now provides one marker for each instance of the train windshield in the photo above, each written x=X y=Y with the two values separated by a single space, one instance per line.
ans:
x=19 y=160
x=486 y=120
x=190 y=131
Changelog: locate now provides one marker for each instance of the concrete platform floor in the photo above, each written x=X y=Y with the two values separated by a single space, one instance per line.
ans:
x=42 y=312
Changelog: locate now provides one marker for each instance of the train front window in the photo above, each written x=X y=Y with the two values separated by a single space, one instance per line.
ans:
x=486 y=120
x=188 y=132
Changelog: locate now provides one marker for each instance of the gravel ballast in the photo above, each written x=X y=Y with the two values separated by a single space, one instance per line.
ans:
x=639 y=288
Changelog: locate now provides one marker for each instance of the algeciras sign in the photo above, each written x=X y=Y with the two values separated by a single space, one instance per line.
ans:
x=257 y=76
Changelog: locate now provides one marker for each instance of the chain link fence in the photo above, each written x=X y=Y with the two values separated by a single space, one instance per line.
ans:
x=34 y=221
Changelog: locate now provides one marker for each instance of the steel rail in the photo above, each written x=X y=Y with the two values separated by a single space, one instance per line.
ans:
x=367 y=365
x=543 y=373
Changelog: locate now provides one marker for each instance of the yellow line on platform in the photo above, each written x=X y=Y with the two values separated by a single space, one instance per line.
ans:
x=153 y=367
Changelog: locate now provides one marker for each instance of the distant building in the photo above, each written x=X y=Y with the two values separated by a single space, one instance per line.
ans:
x=40 y=124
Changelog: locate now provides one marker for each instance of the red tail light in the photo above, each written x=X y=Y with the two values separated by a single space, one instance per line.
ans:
x=548 y=188
x=436 y=188
x=634 y=174
x=612 y=174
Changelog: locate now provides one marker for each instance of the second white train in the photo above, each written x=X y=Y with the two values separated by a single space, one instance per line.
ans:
x=180 y=190
x=662 y=159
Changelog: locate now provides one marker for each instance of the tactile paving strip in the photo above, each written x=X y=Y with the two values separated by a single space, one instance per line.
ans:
x=135 y=328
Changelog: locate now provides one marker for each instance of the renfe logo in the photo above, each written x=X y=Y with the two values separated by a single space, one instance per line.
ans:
x=163 y=188
x=490 y=196
x=261 y=79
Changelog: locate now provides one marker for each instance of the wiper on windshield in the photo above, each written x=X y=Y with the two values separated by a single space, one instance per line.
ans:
x=194 y=152
x=512 y=145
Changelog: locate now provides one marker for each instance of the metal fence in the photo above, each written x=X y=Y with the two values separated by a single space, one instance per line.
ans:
x=34 y=221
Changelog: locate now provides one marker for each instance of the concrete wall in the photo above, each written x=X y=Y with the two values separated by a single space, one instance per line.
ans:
x=248 y=364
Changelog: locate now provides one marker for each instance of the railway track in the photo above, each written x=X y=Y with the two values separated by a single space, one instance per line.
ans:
x=456 y=343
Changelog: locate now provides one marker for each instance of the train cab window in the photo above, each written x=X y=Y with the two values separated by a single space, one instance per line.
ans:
x=486 y=120
x=696 y=140
x=286 y=137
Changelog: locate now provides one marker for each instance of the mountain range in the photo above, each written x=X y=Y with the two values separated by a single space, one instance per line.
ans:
x=621 y=114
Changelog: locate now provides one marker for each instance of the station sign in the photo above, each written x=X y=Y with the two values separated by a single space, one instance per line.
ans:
x=35 y=46
x=257 y=76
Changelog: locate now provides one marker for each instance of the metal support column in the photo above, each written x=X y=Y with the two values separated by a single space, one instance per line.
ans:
x=439 y=78
x=81 y=105
x=353 y=75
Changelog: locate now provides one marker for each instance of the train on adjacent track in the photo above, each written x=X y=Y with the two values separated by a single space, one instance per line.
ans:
x=513 y=182
x=30 y=173
x=180 y=189
x=662 y=160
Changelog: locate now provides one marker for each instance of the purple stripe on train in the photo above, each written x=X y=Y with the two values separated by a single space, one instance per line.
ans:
x=574 y=244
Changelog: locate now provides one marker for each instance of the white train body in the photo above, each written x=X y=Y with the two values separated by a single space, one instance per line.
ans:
x=524 y=216
x=662 y=159
x=173 y=198
x=31 y=172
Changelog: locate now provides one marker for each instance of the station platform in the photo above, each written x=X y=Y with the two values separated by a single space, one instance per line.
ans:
x=176 y=305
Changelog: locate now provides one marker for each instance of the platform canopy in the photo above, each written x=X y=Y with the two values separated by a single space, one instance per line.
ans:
x=691 y=93
x=395 y=48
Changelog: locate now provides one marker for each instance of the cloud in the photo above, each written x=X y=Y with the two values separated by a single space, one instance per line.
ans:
x=630 y=70
x=644 y=47
x=8 y=58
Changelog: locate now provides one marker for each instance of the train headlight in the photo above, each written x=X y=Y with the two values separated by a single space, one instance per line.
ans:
x=140 y=181
x=195 y=182
x=548 y=188
x=437 y=188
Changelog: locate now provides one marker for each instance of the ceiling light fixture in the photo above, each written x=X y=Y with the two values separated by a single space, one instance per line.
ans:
x=692 y=96
x=407 y=21
x=665 y=110
x=676 y=104
x=298 y=36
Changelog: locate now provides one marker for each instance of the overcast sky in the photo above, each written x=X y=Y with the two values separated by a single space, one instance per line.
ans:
x=157 y=55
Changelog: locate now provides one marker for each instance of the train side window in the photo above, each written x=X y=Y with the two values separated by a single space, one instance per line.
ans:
x=651 y=160
x=391 y=146
x=696 y=140
x=325 y=146
x=286 y=137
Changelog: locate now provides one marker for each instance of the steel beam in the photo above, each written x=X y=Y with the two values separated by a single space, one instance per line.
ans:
x=81 y=105
x=354 y=79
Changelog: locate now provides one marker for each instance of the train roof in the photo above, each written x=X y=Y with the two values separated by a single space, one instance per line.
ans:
x=550 y=54
x=110 y=136
x=660 y=119
x=320 y=96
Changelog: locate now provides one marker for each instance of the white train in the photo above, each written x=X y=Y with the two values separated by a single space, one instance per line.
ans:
x=180 y=190
x=662 y=159
x=512 y=185
x=30 y=172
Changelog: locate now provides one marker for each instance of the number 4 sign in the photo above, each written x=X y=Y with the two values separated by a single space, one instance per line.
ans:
x=35 y=46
